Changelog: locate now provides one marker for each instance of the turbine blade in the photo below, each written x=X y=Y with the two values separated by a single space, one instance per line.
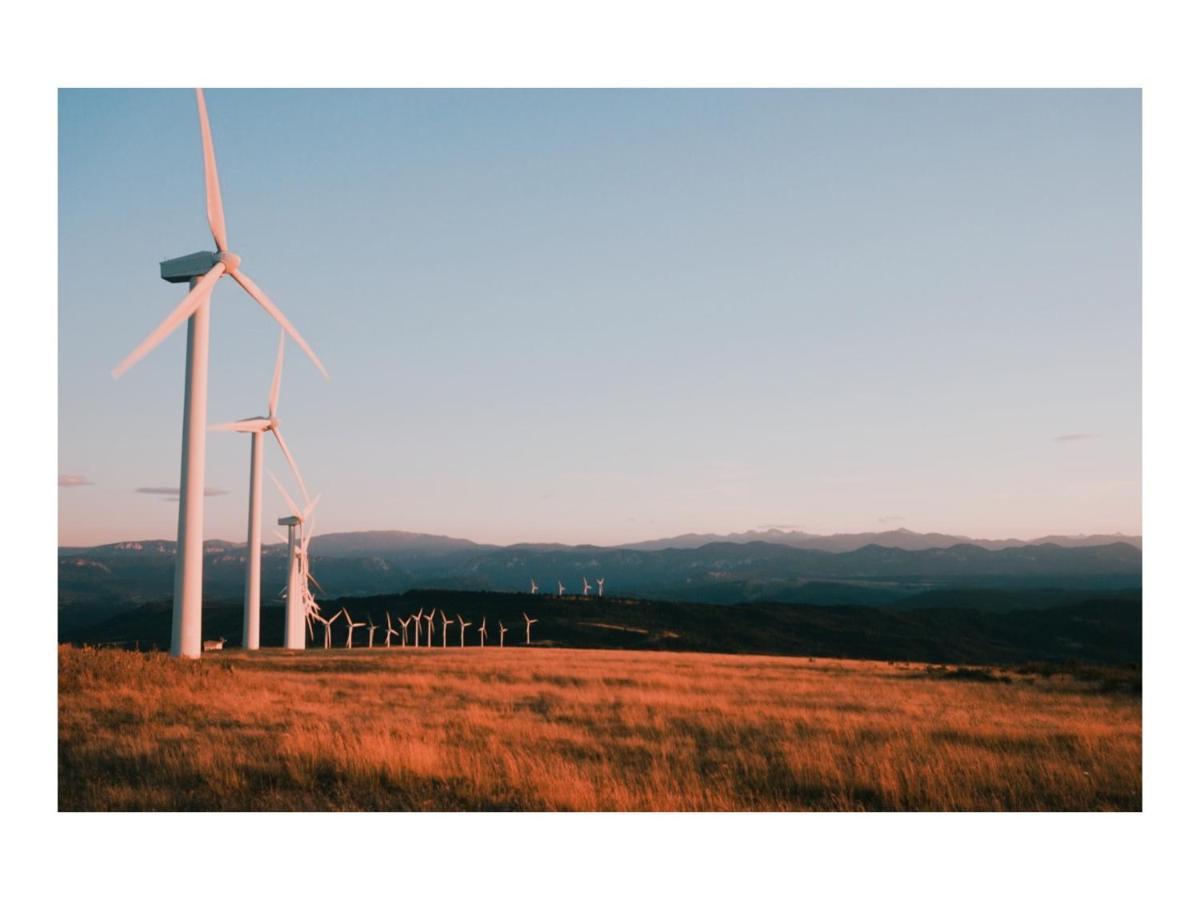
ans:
x=273 y=399
x=286 y=496
x=311 y=506
x=291 y=462
x=196 y=296
x=212 y=186
x=273 y=311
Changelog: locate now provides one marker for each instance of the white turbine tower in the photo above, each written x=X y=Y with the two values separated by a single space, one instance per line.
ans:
x=483 y=631
x=462 y=631
x=429 y=630
x=256 y=427
x=371 y=626
x=528 y=626
x=446 y=620
x=532 y=586
x=502 y=630
x=417 y=627
x=586 y=587
x=391 y=632
x=201 y=271
x=328 y=623
x=403 y=629
x=561 y=589
x=599 y=587
x=298 y=597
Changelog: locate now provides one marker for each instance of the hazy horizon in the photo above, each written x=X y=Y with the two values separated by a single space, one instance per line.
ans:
x=613 y=316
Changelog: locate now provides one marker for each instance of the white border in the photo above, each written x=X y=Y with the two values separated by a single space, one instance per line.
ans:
x=603 y=44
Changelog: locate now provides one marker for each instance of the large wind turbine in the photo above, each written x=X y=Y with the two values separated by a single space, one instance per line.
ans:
x=256 y=426
x=201 y=271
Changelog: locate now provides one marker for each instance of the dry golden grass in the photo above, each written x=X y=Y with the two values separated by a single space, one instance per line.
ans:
x=520 y=729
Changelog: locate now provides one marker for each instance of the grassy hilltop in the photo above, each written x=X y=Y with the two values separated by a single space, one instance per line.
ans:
x=555 y=729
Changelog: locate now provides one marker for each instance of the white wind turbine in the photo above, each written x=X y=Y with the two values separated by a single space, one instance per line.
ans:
x=528 y=626
x=462 y=631
x=446 y=620
x=532 y=586
x=371 y=626
x=599 y=587
x=483 y=631
x=391 y=632
x=502 y=630
x=417 y=627
x=328 y=623
x=351 y=625
x=299 y=600
x=404 y=629
x=256 y=426
x=586 y=587
x=201 y=271
x=561 y=589
x=429 y=629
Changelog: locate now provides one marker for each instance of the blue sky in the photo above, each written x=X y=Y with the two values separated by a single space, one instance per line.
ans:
x=608 y=315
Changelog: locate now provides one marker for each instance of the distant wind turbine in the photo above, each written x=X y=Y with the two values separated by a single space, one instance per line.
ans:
x=462 y=631
x=586 y=587
x=297 y=593
x=350 y=629
x=483 y=631
x=446 y=620
x=429 y=630
x=561 y=589
x=532 y=586
x=371 y=626
x=502 y=630
x=391 y=632
x=528 y=627
x=417 y=627
x=599 y=587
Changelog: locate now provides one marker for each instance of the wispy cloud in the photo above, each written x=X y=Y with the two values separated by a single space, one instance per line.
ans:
x=173 y=493
x=1075 y=436
x=73 y=481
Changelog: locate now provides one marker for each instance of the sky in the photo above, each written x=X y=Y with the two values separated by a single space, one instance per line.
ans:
x=606 y=316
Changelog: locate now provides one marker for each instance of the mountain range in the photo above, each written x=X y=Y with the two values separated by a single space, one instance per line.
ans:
x=97 y=582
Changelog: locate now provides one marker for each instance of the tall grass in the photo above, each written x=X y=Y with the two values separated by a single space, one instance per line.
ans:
x=519 y=729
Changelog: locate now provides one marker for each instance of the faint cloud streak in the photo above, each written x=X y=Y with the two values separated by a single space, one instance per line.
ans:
x=74 y=481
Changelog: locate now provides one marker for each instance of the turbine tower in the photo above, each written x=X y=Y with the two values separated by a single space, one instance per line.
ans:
x=502 y=631
x=599 y=587
x=256 y=427
x=462 y=631
x=586 y=587
x=561 y=589
x=201 y=271
x=532 y=586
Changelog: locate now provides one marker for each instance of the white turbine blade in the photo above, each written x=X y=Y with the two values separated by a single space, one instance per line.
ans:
x=246 y=426
x=312 y=504
x=281 y=536
x=196 y=296
x=286 y=496
x=273 y=311
x=291 y=462
x=212 y=186
x=273 y=398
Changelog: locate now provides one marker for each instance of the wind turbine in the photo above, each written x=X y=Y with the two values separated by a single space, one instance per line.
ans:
x=387 y=635
x=350 y=629
x=462 y=631
x=328 y=623
x=586 y=587
x=599 y=587
x=528 y=627
x=371 y=626
x=502 y=630
x=446 y=620
x=297 y=580
x=429 y=630
x=255 y=427
x=561 y=589
x=201 y=271
x=417 y=627
x=532 y=586
x=483 y=631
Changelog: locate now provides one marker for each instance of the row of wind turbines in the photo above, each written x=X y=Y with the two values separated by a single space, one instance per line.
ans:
x=201 y=271
x=587 y=587
x=415 y=620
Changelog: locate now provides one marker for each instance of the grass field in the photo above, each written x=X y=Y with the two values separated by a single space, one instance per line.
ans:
x=545 y=729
